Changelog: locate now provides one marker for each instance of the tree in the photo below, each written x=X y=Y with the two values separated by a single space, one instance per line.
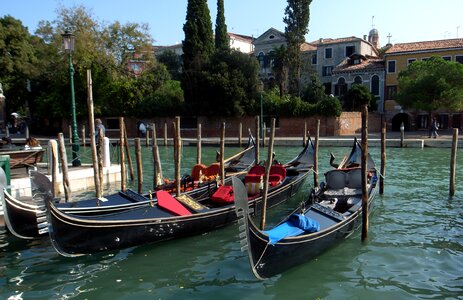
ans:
x=297 y=14
x=314 y=91
x=198 y=46
x=17 y=63
x=432 y=84
x=222 y=41
x=172 y=62
x=280 y=67
x=357 y=96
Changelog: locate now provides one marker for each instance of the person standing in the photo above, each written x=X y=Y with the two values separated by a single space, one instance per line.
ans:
x=141 y=129
x=434 y=128
x=99 y=125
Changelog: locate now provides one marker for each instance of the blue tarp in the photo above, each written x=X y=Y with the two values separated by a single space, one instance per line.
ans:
x=295 y=225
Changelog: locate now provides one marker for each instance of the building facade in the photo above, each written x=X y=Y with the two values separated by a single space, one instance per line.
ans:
x=397 y=58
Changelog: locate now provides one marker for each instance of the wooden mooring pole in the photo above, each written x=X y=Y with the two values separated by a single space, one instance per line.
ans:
x=240 y=134
x=315 y=155
x=139 y=165
x=178 y=146
x=383 y=158
x=165 y=134
x=198 y=145
x=257 y=139
x=129 y=157
x=453 y=162
x=364 y=172
x=64 y=166
x=157 y=180
x=222 y=153
x=268 y=165
x=304 y=139
x=122 y=143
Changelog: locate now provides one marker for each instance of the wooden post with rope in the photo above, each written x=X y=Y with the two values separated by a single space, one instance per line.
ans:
x=267 y=174
x=453 y=162
x=383 y=158
x=122 y=143
x=64 y=166
x=84 y=142
x=364 y=172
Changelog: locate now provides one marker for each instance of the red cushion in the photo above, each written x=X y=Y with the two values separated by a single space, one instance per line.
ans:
x=169 y=203
x=224 y=194
x=196 y=170
x=213 y=169
x=257 y=170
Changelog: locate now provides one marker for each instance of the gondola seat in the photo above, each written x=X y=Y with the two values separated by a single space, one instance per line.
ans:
x=277 y=174
x=253 y=180
x=172 y=205
x=197 y=170
x=212 y=171
x=223 y=195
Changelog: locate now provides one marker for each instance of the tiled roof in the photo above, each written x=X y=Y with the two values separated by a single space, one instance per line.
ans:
x=241 y=37
x=425 y=46
x=334 y=41
x=365 y=65
x=308 y=47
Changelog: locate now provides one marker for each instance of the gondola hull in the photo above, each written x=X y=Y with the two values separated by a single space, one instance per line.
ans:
x=73 y=235
x=328 y=216
x=25 y=218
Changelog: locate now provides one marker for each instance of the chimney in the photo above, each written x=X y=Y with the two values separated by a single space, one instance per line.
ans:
x=365 y=37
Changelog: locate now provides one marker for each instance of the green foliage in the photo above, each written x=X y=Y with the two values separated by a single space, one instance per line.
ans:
x=172 y=62
x=314 y=91
x=297 y=15
x=165 y=101
x=198 y=46
x=357 y=96
x=280 y=67
x=432 y=84
x=288 y=106
x=17 y=62
x=222 y=41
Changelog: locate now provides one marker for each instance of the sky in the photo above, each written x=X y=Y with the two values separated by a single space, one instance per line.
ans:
x=402 y=20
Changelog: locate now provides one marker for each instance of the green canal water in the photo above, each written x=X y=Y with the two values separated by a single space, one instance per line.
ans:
x=414 y=249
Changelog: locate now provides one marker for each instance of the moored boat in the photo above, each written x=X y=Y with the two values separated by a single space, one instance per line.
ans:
x=328 y=216
x=25 y=217
x=167 y=217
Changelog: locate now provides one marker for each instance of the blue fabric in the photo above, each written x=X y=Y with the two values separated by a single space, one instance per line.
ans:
x=297 y=224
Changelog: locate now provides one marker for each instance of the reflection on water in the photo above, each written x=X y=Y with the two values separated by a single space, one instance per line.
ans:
x=414 y=249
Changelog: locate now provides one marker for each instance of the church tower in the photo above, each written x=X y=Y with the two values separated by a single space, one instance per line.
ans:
x=373 y=38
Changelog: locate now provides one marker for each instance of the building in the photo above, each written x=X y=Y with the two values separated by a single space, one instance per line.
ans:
x=397 y=58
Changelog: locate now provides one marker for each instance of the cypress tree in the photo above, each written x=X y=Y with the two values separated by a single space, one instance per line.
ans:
x=222 y=42
x=198 y=47
x=297 y=14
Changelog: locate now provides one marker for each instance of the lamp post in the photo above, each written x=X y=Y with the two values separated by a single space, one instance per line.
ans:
x=68 y=42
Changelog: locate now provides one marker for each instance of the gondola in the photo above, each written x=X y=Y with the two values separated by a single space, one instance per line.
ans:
x=167 y=217
x=25 y=217
x=328 y=216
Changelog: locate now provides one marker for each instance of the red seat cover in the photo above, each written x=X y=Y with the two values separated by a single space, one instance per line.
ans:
x=169 y=203
x=224 y=194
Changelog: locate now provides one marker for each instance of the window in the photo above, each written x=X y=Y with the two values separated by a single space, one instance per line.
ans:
x=328 y=52
x=314 y=59
x=375 y=85
x=410 y=60
x=341 y=87
x=447 y=58
x=423 y=121
x=350 y=50
x=459 y=58
x=425 y=59
x=358 y=80
x=326 y=71
x=391 y=66
x=391 y=91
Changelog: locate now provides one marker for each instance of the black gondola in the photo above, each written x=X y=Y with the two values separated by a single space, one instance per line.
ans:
x=25 y=217
x=328 y=216
x=73 y=235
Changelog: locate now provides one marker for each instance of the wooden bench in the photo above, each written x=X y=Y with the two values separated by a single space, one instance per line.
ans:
x=24 y=158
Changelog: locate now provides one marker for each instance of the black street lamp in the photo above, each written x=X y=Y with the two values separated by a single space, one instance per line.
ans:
x=68 y=42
